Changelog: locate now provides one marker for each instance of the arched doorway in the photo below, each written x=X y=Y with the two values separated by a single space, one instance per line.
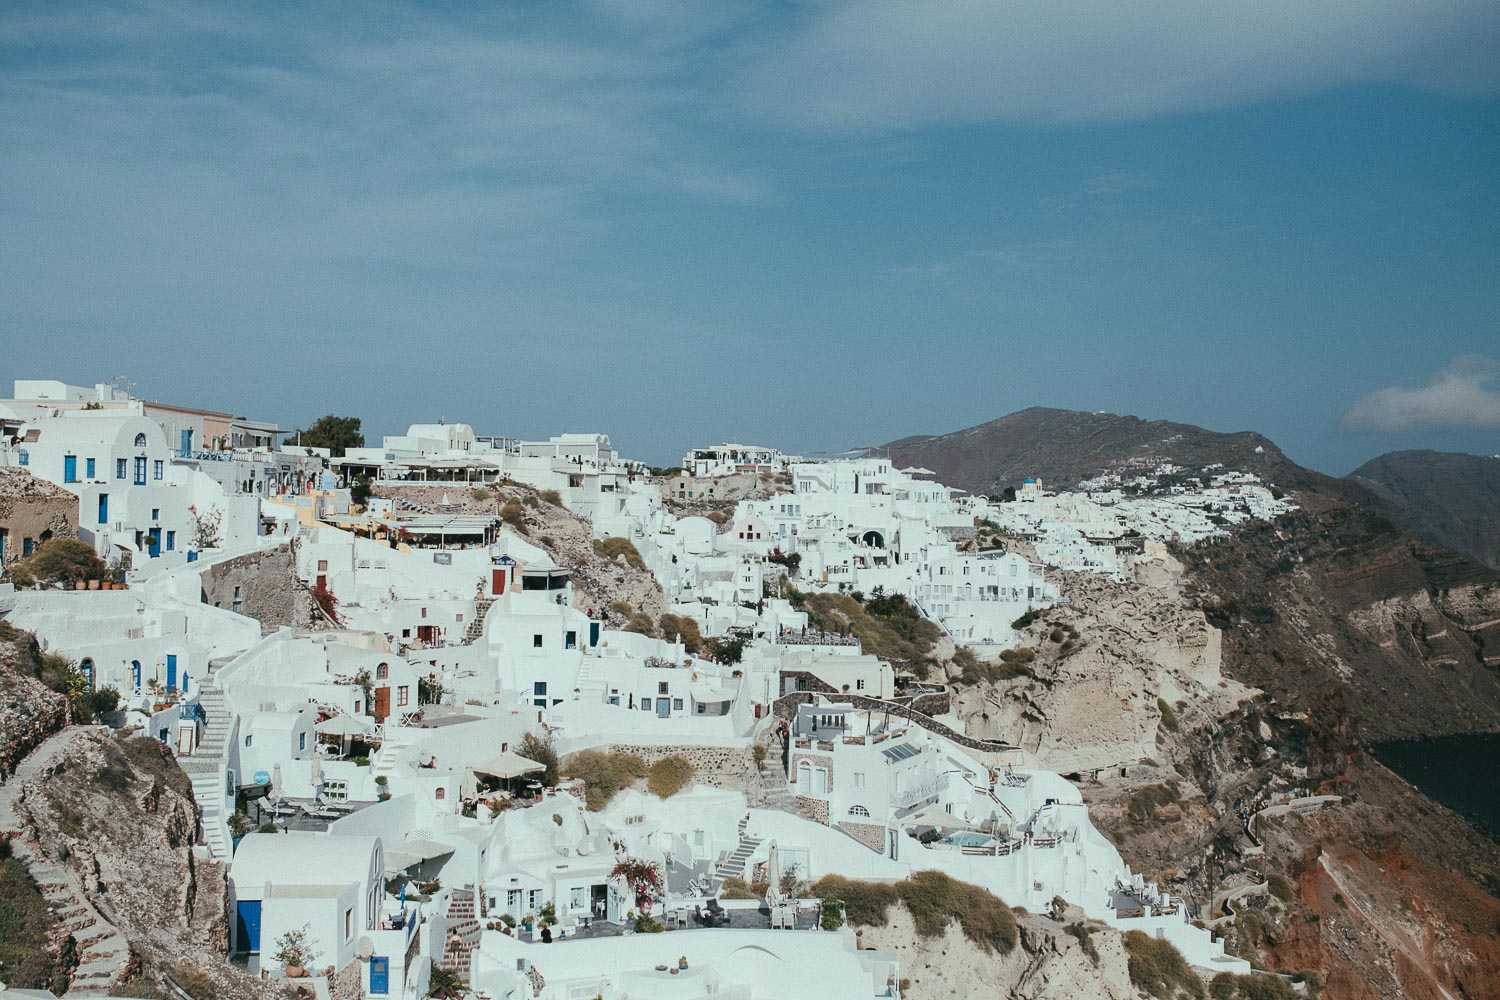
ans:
x=873 y=539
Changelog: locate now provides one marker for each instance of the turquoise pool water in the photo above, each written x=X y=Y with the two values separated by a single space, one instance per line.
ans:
x=968 y=839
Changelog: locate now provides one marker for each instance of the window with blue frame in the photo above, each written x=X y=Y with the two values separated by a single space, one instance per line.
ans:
x=88 y=468
x=28 y=546
x=645 y=704
x=171 y=541
x=301 y=741
x=23 y=457
x=155 y=513
x=156 y=468
x=122 y=468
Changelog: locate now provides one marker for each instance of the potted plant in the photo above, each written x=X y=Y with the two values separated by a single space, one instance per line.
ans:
x=294 y=951
x=381 y=781
x=682 y=961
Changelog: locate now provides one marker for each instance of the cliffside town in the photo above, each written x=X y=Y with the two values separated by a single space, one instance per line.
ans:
x=475 y=716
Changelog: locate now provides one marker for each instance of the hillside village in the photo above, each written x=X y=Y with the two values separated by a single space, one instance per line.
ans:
x=468 y=715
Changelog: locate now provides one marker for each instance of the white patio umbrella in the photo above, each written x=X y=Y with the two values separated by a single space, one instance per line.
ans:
x=773 y=876
x=342 y=726
x=317 y=769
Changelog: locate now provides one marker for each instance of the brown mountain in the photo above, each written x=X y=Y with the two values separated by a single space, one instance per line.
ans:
x=1446 y=498
x=1357 y=630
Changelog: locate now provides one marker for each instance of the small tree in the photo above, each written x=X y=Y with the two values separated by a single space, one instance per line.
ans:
x=643 y=878
x=360 y=490
x=295 y=948
x=539 y=749
x=206 y=525
x=64 y=561
x=337 y=434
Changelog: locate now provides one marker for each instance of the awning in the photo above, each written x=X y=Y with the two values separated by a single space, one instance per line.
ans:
x=508 y=764
x=705 y=693
x=343 y=725
x=413 y=852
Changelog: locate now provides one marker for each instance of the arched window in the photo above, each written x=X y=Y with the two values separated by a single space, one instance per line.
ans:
x=441 y=794
x=140 y=440
x=383 y=672
x=87 y=669
x=859 y=811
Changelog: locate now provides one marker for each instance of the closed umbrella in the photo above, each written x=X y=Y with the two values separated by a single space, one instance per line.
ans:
x=773 y=876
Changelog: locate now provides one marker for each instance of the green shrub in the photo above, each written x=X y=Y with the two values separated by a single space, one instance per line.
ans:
x=1144 y=802
x=26 y=924
x=1023 y=622
x=539 y=749
x=552 y=497
x=481 y=494
x=621 y=609
x=1281 y=888
x=641 y=624
x=603 y=774
x=737 y=888
x=63 y=561
x=934 y=900
x=1168 y=717
x=684 y=629
x=1085 y=935
x=513 y=514
x=669 y=776
x=615 y=546
x=831 y=915
x=1157 y=967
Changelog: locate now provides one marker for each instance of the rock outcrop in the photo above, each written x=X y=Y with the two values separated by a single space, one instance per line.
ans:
x=1104 y=664
x=1049 y=963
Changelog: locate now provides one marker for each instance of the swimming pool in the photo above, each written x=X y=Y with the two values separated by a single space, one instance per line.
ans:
x=969 y=838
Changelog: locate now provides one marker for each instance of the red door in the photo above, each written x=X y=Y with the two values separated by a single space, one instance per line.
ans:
x=497 y=581
x=382 y=703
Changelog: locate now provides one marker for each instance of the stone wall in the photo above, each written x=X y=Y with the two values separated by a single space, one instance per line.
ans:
x=33 y=508
x=872 y=835
x=260 y=586
x=817 y=809
x=715 y=767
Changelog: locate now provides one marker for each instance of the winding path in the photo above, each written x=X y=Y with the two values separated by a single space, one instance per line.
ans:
x=103 y=952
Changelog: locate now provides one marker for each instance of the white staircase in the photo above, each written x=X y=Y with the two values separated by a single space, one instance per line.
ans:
x=590 y=685
x=207 y=766
x=733 y=866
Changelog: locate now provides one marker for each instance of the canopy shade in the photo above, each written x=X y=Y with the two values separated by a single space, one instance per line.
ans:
x=343 y=725
x=413 y=852
x=507 y=764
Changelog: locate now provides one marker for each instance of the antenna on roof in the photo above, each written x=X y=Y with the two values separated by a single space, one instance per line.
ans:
x=124 y=383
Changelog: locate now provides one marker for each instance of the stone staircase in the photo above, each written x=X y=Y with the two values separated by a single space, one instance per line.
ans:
x=733 y=866
x=463 y=933
x=769 y=791
x=205 y=766
x=103 y=952
x=475 y=628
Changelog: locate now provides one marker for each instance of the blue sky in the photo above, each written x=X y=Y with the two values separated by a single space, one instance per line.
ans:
x=815 y=225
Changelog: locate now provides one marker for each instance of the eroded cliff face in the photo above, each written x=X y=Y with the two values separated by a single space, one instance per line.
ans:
x=1104 y=663
x=119 y=816
x=1049 y=964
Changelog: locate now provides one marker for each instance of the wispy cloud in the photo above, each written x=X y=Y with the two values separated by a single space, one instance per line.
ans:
x=1119 y=182
x=1463 y=396
x=891 y=65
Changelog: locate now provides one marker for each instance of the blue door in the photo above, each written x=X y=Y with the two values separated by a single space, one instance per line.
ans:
x=380 y=975
x=187 y=441
x=593 y=633
x=172 y=671
x=247 y=924
x=87 y=669
x=104 y=508
x=663 y=707
x=70 y=468
x=135 y=673
x=153 y=542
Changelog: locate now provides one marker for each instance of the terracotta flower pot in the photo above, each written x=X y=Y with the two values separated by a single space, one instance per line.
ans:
x=295 y=972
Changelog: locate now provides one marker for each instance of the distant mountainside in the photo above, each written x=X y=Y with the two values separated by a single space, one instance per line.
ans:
x=1062 y=447
x=1445 y=498
x=1352 y=624
x=1337 y=595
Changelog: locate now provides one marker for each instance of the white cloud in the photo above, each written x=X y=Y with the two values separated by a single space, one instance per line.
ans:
x=1460 y=397
x=893 y=65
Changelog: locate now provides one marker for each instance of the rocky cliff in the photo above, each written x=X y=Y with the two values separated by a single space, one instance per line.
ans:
x=1049 y=964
